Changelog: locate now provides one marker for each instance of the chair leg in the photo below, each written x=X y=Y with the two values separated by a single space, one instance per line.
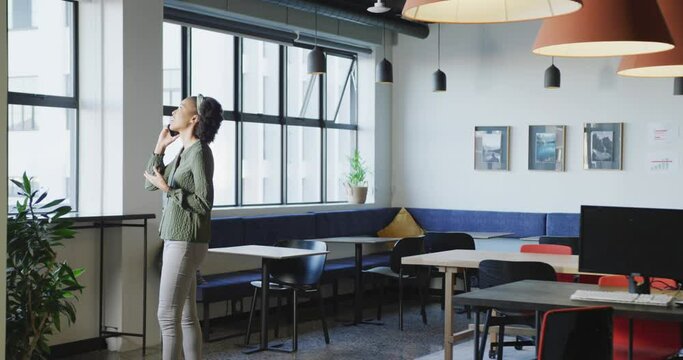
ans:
x=466 y=287
x=207 y=322
x=400 y=298
x=335 y=295
x=252 y=307
x=295 y=325
x=380 y=298
x=501 y=341
x=485 y=333
x=277 y=315
x=443 y=288
x=321 y=305
x=421 y=291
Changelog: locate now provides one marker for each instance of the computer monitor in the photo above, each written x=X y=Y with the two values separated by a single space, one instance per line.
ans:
x=622 y=240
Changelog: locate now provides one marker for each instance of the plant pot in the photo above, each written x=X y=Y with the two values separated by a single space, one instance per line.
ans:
x=357 y=194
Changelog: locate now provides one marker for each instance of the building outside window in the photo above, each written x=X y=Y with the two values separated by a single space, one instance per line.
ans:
x=43 y=96
x=287 y=135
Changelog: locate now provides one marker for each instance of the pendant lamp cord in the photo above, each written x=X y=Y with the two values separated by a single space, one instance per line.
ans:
x=384 y=41
x=553 y=60
x=316 y=25
x=438 y=48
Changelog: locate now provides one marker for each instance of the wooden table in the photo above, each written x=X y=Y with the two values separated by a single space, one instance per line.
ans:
x=541 y=296
x=267 y=254
x=358 y=242
x=449 y=262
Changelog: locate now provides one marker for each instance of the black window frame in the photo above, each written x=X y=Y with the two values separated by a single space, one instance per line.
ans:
x=63 y=102
x=238 y=117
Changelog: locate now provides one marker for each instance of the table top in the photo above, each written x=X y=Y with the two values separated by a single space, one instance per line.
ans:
x=481 y=234
x=531 y=238
x=270 y=252
x=547 y=295
x=487 y=235
x=358 y=240
x=567 y=264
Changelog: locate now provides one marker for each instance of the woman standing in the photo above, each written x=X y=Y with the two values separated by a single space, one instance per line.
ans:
x=186 y=219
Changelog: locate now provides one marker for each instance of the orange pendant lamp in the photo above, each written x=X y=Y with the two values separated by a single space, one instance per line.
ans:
x=662 y=64
x=486 y=11
x=605 y=28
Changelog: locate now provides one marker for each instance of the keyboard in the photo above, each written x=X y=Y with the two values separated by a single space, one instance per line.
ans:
x=622 y=297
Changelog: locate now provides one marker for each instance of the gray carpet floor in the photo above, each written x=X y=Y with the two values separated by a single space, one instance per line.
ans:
x=347 y=342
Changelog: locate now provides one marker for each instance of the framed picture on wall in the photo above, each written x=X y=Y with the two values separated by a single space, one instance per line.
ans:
x=603 y=146
x=491 y=147
x=546 y=147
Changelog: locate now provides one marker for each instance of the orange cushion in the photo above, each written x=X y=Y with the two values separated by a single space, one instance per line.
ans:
x=402 y=226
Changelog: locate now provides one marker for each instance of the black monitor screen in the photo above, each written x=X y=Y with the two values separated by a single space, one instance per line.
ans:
x=619 y=240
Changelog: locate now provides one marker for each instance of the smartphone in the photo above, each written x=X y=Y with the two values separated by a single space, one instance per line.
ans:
x=173 y=133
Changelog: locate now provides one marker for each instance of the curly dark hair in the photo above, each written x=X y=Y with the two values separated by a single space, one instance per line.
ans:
x=210 y=119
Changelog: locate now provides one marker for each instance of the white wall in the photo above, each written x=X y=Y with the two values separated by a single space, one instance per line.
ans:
x=121 y=89
x=493 y=79
x=3 y=167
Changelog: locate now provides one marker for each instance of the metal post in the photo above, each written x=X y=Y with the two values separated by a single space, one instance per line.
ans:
x=101 y=273
x=144 y=294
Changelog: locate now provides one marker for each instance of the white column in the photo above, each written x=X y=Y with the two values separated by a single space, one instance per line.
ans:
x=3 y=166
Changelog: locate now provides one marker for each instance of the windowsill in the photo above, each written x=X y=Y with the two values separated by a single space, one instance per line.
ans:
x=286 y=209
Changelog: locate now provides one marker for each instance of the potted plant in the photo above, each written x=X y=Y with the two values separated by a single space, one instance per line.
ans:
x=356 y=182
x=39 y=288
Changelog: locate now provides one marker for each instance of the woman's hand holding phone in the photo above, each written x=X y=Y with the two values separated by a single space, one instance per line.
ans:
x=165 y=138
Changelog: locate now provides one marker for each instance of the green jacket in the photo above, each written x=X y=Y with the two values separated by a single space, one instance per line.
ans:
x=187 y=213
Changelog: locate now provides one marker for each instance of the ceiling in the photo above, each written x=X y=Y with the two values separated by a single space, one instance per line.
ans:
x=362 y=5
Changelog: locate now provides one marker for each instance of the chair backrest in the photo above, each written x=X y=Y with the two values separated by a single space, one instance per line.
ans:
x=571 y=241
x=577 y=334
x=406 y=247
x=442 y=241
x=499 y=272
x=622 y=281
x=299 y=271
x=546 y=249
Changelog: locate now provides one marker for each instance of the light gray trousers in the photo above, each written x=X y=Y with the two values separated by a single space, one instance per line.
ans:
x=180 y=330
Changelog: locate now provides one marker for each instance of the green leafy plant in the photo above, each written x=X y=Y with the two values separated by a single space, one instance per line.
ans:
x=359 y=171
x=39 y=288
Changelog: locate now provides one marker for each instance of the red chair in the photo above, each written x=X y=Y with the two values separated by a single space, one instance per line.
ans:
x=576 y=334
x=550 y=249
x=651 y=339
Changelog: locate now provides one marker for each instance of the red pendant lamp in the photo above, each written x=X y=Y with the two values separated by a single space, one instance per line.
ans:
x=486 y=11
x=605 y=28
x=662 y=64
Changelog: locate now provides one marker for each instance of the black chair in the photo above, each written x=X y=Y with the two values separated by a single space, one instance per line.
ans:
x=497 y=272
x=300 y=275
x=402 y=273
x=571 y=241
x=577 y=334
x=437 y=242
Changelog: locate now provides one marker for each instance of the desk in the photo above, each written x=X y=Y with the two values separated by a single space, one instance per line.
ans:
x=266 y=253
x=108 y=221
x=547 y=295
x=358 y=241
x=449 y=262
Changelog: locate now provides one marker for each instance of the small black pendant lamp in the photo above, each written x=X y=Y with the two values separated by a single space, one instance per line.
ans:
x=552 y=76
x=384 y=72
x=678 y=86
x=317 y=64
x=439 y=76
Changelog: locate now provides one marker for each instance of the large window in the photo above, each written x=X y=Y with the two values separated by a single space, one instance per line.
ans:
x=287 y=135
x=43 y=93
